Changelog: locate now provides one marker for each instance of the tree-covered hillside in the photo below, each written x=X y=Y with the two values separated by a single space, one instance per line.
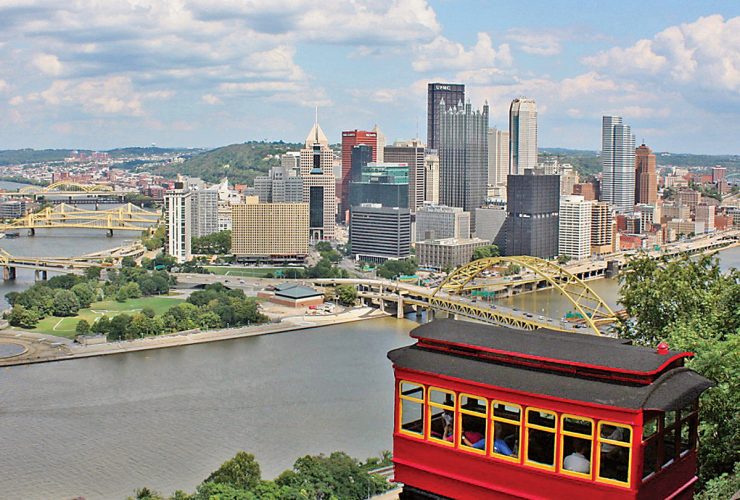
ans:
x=240 y=162
x=23 y=156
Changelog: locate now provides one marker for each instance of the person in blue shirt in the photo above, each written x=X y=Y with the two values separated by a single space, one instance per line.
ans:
x=499 y=445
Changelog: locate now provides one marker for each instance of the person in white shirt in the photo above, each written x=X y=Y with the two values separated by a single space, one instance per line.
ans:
x=577 y=461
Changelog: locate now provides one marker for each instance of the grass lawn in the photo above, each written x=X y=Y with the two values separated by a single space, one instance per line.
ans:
x=65 y=327
x=250 y=272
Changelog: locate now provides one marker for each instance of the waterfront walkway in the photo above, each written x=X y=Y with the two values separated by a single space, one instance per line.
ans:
x=47 y=348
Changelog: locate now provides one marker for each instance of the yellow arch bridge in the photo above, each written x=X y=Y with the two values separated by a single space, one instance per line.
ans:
x=452 y=295
x=66 y=187
x=124 y=218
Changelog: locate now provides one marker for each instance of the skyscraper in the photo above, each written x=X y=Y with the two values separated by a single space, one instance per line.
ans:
x=431 y=176
x=522 y=135
x=204 y=212
x=463 y=157
x=533 y=204
x=574 y=235
x=498 y=157
x=618 y=162
x=319 y=184
x=350 y=139
x=178 y=213
x=451 y=93
x=411 y=153
x=646 y=180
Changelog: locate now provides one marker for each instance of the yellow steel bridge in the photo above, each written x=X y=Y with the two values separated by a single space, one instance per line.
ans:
x=124 y=218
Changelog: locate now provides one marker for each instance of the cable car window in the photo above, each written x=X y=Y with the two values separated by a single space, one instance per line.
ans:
x=576 y=446
x=670 y=426
x=507 y=423
x=615 y=452
x=474 y=423
x=412 y=409
x=540 y=445
x=441 y=415
x=689 y=424
x=650 y=438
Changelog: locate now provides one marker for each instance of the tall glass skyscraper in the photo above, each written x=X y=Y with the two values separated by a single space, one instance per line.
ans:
x=522 y=135
x=463 y=157
x=618 y=163
x=451 y=93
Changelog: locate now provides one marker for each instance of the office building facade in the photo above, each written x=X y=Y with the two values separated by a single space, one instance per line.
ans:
x=618 y=164
x=440 y=222
x=447 y=253
x=319 y=185
x=378 y=233
x=204 y=207
x=269 y=232
x=451 y=93
x=646 y=178
x=350 y=139
x=431 y=177
x=574 y=234
x=602 y=228
x=498 y=159
x=522 y=135
x=490 y=222
x=381 y=183
x=281 y=185
x=533 y=203
x=178 y=221
x=413 y=154
x=463 y=157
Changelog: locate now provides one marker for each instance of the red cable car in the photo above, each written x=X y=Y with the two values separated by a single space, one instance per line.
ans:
x=490 y=412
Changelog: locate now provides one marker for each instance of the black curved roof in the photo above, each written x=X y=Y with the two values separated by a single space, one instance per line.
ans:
x=671 y=391
x=567 y=348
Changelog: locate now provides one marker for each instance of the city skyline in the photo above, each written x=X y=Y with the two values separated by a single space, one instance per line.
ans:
x=180 y=74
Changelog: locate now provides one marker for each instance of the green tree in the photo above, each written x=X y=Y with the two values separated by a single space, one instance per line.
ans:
x=391 y=269
x=690 y=304
x=346 y=294
x=128 y=261
x=118 y=327
x=563 y=259
x=485 y=252
x=213 y=244
x=242 y=471
x=101 y=326
x=83 y=327
x=323 y=246
x=209 y=320
x=146 y=494
x=23 y=316
x=128 y=291
x=66 y=281
x=66 y=303
x=93 y=273
x=85 y=294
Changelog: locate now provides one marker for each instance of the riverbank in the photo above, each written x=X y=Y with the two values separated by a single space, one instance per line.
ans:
x=41 y=348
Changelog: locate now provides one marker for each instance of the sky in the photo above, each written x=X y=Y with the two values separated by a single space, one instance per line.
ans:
x=100 y=74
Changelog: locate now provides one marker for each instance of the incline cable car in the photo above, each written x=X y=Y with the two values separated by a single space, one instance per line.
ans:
x=491 y=412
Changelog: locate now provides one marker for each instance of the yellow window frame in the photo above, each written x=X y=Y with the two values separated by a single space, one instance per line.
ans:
x=401 y=398
x=431 y=404
x=517 y=459
x=601 y=441
x=483 y=415
x=553 y=430
x=578 y=435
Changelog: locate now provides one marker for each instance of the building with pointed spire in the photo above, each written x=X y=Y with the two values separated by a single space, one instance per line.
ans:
x=319 y=184
x=463 y=157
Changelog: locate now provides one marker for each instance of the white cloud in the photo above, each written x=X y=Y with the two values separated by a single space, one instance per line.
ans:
x=48 y=64
x=535 y=42
x=211 y=99
x=4 y=86
x=704 y=54
x=444 y=54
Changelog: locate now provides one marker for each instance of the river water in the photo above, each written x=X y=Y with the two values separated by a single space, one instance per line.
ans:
x=101 y=427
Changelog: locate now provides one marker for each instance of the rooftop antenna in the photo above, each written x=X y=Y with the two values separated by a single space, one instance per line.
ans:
x=316 y=123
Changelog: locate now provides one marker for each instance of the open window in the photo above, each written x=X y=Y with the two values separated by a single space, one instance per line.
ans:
x=541 y=427
x=670 y=427
x=474 y=423
x=577 y=434
x=615 y=452
x=650 y=445
x=411 y=399
x=507 y=425
x=442 y=418
x=689 y=427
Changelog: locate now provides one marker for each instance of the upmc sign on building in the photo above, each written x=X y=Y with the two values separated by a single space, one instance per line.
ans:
x=452 y=93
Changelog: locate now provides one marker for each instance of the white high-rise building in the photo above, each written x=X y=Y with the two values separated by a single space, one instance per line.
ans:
x=498 y=158
x=319 y=184
x=618 y=163
x=204 y=215
x=522 y=135
x=574 y=234
x=178 y=213
x=431 y=176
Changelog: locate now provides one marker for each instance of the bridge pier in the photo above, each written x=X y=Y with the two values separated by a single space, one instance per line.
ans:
x=109 y=233
x=8 y=273
x=40 y=273
x=32 y=232
x=399 y=309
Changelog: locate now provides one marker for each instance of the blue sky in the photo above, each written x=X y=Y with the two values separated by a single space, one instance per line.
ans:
x=203 y=73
